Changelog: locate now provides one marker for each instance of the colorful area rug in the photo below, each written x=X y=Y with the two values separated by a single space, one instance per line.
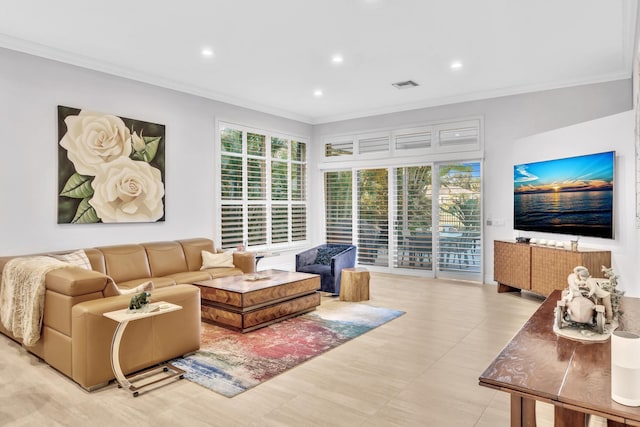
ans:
x=230 y=362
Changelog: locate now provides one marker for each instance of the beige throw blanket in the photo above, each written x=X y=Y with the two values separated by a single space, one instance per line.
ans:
x=22 y=295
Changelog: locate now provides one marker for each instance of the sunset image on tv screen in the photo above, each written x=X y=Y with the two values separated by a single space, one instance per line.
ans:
x=571 y=196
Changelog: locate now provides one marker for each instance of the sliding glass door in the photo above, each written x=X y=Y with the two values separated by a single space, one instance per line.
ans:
x=459 y=220
x=373 y=217
x=413 y=247
x=424 y=217
x=338 y=206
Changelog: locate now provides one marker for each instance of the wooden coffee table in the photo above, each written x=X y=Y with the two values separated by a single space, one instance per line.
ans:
x=249 y=302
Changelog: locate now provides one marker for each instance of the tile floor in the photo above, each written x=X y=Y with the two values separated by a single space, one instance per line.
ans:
x=419 y=370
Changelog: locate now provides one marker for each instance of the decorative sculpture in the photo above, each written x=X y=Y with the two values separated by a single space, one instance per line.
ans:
x=588 y=305
x=139 y=301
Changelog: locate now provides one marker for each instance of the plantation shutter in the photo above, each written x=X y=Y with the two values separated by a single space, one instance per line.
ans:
x=298 y=191
x=412 y=218
x=459 y=217
x=412 y=139
x=459 y=136
x=263 y=188
x=231 y=167
x=279 y=223
x=338 y=206
x=257 y=225
x=373 y=217
x=298 y=223
x=339 y=147
x=231 y=175
x=232 y=225
x=373 y=144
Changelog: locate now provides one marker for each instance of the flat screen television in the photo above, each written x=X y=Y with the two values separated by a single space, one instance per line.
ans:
x=571 y=196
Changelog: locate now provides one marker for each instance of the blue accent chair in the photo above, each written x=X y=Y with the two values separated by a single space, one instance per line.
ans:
x=327 y=260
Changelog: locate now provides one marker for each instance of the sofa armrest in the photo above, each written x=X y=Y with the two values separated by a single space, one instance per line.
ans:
x=145 y=343
x=245 y=261
x=345 y=259
x=76 y=281
x=307 y=257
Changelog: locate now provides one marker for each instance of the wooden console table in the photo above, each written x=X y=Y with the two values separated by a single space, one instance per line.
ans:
x=541 y=269
x=573 y=376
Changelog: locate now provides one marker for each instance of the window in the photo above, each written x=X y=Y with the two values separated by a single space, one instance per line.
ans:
x=459 y=136
x=410 y=198
x=263 y=188
x=463 y=136
x=339 y=147
x=412 y=139
x=374 y=143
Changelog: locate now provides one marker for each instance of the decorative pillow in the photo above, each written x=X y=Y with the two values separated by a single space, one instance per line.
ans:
x=142 y=287
x=325 y=254
x=209 y=260
x=78 y=258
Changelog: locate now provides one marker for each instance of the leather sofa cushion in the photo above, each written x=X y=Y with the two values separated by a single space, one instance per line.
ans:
x=57 y=309
x=158 y=282
x=75 y=281
x=165 y=258
x=96 y=258
x=126 y=262
x=190 y=276
x=57 y=351
x=223 y=272
x=193 y=251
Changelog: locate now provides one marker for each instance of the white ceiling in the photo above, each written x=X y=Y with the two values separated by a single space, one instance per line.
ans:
x=271 y=55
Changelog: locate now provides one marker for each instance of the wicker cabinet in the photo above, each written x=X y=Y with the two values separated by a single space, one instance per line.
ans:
x=541 y=269
x=511 y=266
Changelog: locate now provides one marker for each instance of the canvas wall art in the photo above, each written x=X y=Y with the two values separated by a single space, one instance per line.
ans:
x=110 y=169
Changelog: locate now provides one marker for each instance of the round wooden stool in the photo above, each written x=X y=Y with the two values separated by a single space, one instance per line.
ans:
x=354 y=284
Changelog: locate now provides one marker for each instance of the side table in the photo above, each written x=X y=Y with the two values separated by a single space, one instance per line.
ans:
x=354 y=284
x=123 y=317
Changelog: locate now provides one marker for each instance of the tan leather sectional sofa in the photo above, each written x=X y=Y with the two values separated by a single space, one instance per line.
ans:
x=76 y=337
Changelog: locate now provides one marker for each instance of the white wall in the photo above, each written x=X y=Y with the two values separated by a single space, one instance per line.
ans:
x=30 y=90
x=610 y=133
x=506 y=121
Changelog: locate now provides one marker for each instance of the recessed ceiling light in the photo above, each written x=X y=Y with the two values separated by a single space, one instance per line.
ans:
x=337 y=59
x=456 y=65
x=207 y=52
x=317 y=93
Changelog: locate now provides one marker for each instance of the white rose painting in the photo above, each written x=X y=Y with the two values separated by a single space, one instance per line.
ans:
x=111 y=169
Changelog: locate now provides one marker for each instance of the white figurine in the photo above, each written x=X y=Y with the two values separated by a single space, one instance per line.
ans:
x=576 y=281
x=582 y=284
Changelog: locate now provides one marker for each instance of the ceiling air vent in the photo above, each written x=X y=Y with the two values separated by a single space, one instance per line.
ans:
x=404 y=85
